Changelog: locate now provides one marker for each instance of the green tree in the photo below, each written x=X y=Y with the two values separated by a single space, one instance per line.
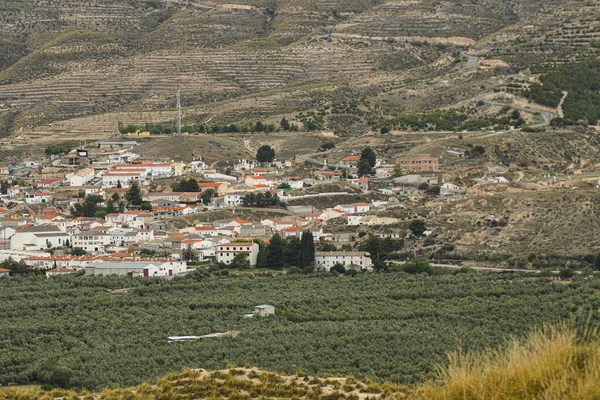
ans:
x=186 y=185
x=417 y=267
x=369 y=155
x=417 y=227
x=78 y=251
x=240 y=260
x=307 y=250
x=276 y=248
x=263 y=253
x=339 y=268
x=145 y=205
x=115 y=197
x=265 y=153
x=285 y=124
x=292 y=251
x=110 y=206
x=189 y=254
x=57 y=149
x=134 y=195
x=4 y=187
x=364 y=167
x=207 y=196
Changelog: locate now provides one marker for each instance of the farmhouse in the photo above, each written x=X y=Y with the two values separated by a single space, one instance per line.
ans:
x=37 y=237
x=350 y=259
x=59 y=271
x=4 y=273
x=227 y=251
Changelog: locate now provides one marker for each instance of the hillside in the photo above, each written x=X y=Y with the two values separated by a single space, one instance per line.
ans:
x=246 y=61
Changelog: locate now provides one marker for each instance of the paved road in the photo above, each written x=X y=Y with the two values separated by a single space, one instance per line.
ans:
x=490 y=269
x=471 y=60
x=309 y=159
x=548 y=116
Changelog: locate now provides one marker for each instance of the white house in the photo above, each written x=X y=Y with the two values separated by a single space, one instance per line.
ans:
x=81 y=177
x=362 y=208
x=449 y=189
x=295 y=184
x=92 y=241
x=154 y=169
x=205 y=231
x=349 y=259
x=331 y=213
x=234 y=199
x=37 y=197
x=14 y=191
x=257 y=180
x=59 y=272
x=6 y=232
x=35 y=237
x=112 y=179
x=347 y=208
x=138 y=268
x=4 y=273
x=227 y=251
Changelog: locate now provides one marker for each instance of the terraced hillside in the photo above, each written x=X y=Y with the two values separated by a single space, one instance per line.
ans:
x=556 y=34
x=254 y=59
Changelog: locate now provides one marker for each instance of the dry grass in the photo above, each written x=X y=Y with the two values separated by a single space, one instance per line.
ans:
x=550 y=364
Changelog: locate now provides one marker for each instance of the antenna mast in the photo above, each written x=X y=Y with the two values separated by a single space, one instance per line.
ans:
x=178 y=112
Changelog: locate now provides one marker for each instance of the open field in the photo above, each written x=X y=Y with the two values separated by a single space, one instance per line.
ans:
x=73 y=332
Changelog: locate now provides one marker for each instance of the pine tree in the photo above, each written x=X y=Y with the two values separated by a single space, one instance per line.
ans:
x=275 y=252
x=110 y=206
x=134 y=195
x=307 y=249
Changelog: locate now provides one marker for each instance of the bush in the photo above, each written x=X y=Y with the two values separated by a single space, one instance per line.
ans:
x=417 y=267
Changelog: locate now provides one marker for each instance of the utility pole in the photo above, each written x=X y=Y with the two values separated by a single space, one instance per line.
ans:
x=178 y=112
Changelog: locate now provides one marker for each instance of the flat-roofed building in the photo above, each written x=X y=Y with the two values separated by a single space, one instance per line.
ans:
x=420 y=163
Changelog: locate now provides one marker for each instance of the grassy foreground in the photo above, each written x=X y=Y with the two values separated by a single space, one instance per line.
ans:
x=555 y=363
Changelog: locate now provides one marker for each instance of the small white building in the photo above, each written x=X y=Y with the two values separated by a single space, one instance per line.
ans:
x=4 y=273
x=350 y=259
x=264 y=310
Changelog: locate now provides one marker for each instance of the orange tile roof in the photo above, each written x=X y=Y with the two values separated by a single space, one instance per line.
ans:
x=351 y=158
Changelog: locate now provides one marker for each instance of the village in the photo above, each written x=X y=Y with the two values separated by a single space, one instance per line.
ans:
x=124 y=215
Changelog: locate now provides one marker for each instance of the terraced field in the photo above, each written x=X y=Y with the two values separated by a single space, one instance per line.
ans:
x=255 y=59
